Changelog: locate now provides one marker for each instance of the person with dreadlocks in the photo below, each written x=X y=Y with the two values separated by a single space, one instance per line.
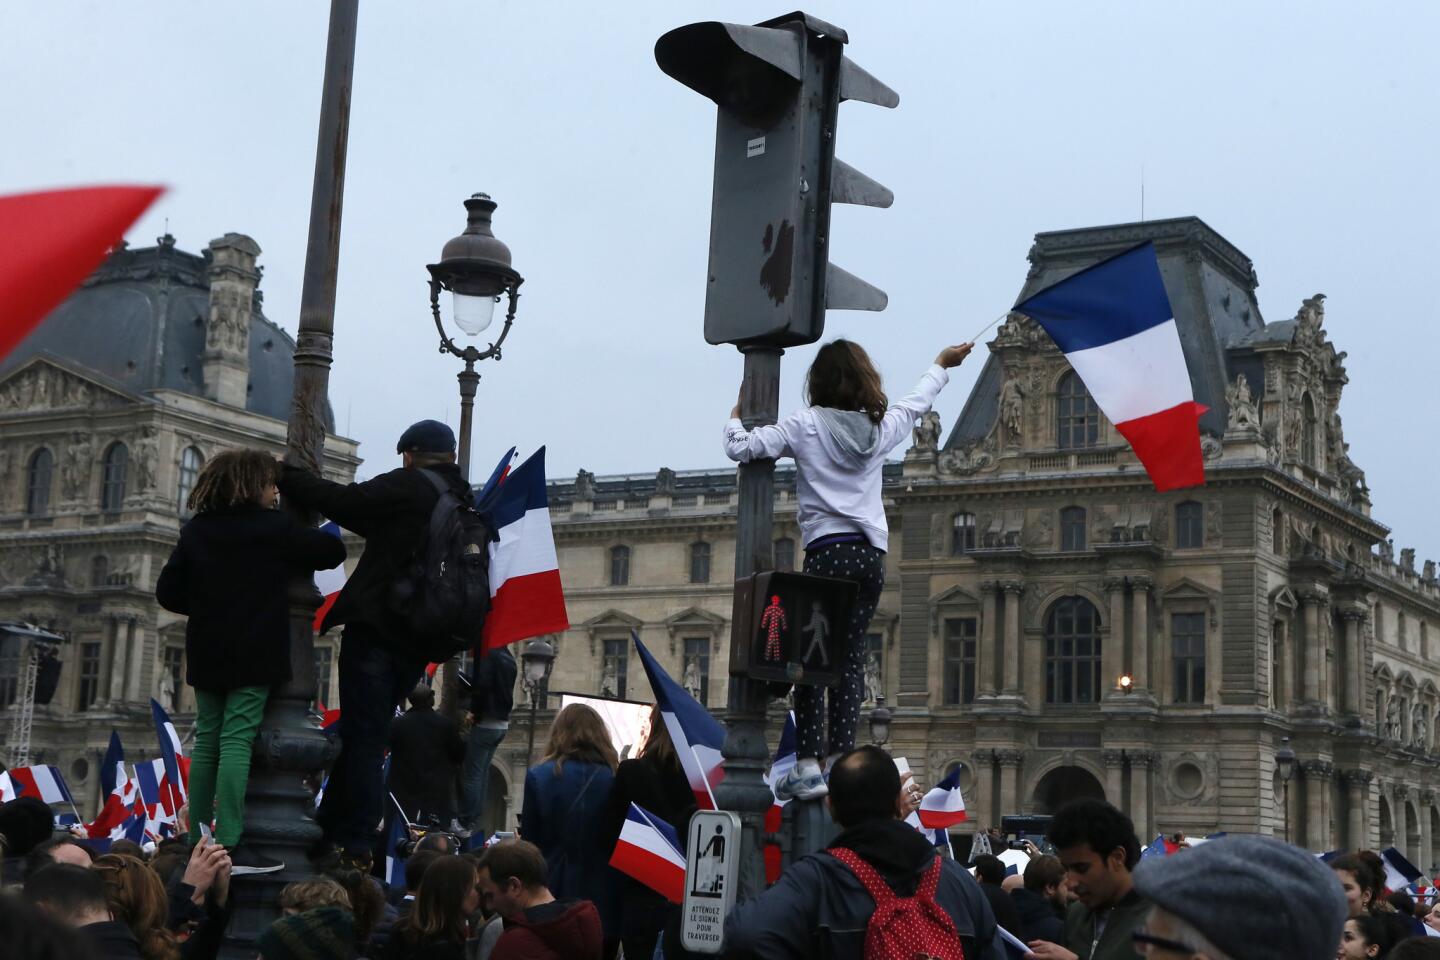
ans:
x=230 y=574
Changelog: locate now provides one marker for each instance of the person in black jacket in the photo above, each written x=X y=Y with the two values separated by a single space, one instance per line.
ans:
x=1041 y=902
x=492 y=697
x=990 y=872
x=425 y=753
x=230 y=575
x=378 y=661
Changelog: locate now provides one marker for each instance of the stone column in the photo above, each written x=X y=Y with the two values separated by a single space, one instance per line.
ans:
x=983 y=762
x=1354 y=663
x=1141 y=763
x=1114 y=761
x=1013 y=589
x=134 y=655
x=117 y=659
x=1357 y=787
x=1399 y=814
x=1009 y=761
x=1317 y=794
x=1112 y=655
x=1140 y=632
x=1313 y=676
x=989 y=646
x=1425 y=859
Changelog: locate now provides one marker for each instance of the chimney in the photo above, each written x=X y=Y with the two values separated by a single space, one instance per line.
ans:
x=233 y=279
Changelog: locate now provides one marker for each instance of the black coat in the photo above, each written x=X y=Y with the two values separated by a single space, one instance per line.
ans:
x=392 y=512
x=492 y=691
x=230 y=574
x=1003 y=906
x=665 y=792
x=425 y=754
x=1039 y=918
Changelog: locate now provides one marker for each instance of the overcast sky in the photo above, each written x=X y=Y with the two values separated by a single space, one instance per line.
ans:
x=1305 y=133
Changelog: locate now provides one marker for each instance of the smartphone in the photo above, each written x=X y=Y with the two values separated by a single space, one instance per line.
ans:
x=205 y=836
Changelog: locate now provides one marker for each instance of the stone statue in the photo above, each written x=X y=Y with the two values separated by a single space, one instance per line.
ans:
x=584 y=485
x=1428 y=576
x=1243 y=415
x=1012 y=409
x=7 y=463
x=147 y=457
x=665 y=482
x=1407 y=559
x=1393 y=719
x=1387 y=551
x=167 y=690
x=873 y=688
x=1309 y=318
x=1420 y=727
x=77 y=392
x=609 y=680
x=927 y=432
x=75 y=472
x=692 y=683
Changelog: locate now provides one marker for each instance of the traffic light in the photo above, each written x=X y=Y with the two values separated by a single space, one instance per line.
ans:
x=778 y=86
x=790 y=627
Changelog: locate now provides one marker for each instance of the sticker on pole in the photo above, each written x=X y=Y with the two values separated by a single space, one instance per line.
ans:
x=712 y=868
x=755 y=148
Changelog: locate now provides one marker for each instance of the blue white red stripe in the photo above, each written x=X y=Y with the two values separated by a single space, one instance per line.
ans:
x=1114 y=323
x=1399 y=872
x=41 y=782
x=785 y=758
x=329 y=582
x=698 y=736
x=943 y=806
x=526 y=596
x=649 y=851
x=177 y=767
x=118 y=789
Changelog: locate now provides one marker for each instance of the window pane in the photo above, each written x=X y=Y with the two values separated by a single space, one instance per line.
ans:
x=190 y=463
x=1189 y=525
x=615 y=667
x=89 y=676
x=785 y=554
x=619 y=566
x=37 y=490
x=963 y=535
x=700 y=563
x=1188 y=653
x=112 y=493
x=958 y=683
x=1072 y=652
x=1077 y=418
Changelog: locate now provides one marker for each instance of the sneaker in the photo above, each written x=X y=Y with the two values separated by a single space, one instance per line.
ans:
x=245 y=861
x=459 y=830
x=803 y=782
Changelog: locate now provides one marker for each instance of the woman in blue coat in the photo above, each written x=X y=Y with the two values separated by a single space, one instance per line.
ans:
x=564 y=814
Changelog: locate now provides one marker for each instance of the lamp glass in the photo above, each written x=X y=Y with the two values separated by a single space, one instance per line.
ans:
x=879 y=729
x=535 y=669
x=472 y=314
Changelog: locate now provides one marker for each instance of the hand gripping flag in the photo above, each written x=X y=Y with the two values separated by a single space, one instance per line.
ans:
x=177 y=767
x=1114 y=323
x=329 y=582
x=1399 y=872
x=698 y=737
x=943 y=806
x=51 y=241
x=649 y=851
x=526 y=598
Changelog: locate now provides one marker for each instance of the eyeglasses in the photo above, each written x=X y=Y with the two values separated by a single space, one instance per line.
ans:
x=1145 y=940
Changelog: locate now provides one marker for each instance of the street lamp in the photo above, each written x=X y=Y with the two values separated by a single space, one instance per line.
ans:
x=880 y=723
x=536 y=661
x=1127 y=683
x=1285 y=762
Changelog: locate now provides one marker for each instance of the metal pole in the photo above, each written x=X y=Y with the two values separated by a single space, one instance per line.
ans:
x=530 y=740
x=746 y=754
x=450 y=699
x=277 y=804
x=1286 y=800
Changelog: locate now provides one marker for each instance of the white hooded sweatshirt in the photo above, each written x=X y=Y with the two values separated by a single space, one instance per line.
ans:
x=839 y=456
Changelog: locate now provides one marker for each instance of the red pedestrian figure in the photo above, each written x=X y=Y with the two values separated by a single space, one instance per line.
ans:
x=772 y=621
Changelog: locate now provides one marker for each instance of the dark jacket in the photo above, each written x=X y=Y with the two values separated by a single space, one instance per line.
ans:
x=1039 y=918
x=492 y=694
x=665 y=792
x=392 y=512
x=230 y=574
x=425 y=753
x=564 y=815
x=1003 y=907
x=563 y=930
x=112 y=940
x=402 y=947
x=1115 y=943
x=819 y=908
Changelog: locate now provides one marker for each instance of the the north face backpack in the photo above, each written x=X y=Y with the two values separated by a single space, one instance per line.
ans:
x=904 y=928
x=444 y=596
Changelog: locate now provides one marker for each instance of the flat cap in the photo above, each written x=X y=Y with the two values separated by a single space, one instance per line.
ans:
x=427 y=436
x=1256 y=898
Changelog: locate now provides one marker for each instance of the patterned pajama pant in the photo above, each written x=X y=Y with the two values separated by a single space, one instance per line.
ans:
x=865 y=565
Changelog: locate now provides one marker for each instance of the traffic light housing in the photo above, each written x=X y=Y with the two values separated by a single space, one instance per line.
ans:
x=790 y=628
x=778 y=87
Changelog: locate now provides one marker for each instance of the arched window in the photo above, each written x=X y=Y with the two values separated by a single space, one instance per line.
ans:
x=1076 y=416
x=1072 y=528
x=38 y=478
x=191 y=460
x=1189 y=525
x=1072 y=652
x=112 y=490
x=99 y=570
x=784 y=554
x=619 y=566
x=1307 y=430
x=963 y=539
x=700 y=562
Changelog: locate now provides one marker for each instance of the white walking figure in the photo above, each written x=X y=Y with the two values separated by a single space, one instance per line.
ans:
x=819 y=630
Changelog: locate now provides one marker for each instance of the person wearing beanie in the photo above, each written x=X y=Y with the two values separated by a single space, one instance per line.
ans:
x=1241 y=898
x=379 y=662
x=325 y=933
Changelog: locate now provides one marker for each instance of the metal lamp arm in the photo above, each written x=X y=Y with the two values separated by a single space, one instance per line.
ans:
x=470 y=354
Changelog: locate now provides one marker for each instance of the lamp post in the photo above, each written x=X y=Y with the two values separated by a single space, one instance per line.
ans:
x=475 y=270
x=1285 y=762
x=536 y=662
x=1126 y=683
x=880 y=718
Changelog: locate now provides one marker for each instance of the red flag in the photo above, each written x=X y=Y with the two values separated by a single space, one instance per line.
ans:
x=51 y=241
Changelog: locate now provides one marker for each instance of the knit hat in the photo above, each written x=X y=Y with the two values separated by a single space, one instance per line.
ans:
x=325 y=933
x=1255 y=898
x=427 y=436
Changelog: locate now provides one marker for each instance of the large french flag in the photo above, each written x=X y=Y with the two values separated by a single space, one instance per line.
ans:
x=1114 y=324
x=943 y=806
x=329 y=582
x=177 y=767
x=526 y=598
x=698 y=737
x=42 y=782
x=649 y=851
x=161 y=802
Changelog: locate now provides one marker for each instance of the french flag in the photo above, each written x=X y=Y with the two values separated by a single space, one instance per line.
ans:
x=784 y=761
x=943 y=806
x=7 y=788
x=1115 y=325
x=394 y=863
x=158 y=800
x=177 y=767
x=649 y=851
x=119 y=790
x=1399 y=872
x=526 y=598
x=42 y=782
x=698 y=736
x=329 y=582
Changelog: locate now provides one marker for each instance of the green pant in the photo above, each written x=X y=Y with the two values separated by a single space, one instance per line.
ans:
x=225 y=726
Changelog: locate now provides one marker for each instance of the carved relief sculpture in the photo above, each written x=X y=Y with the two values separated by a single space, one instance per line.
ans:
x=584 y=485
x=692 y=677
x=1394 y=722
x=609 y=681
x=665 y=482
x=1420 y=727
x=1012 y=409
x=1243 y=415
x=75 y=472
x=873 y=689
x=927 y=433
x=147 y=457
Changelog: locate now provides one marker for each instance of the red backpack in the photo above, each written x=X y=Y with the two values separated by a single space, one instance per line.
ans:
x=904 y=928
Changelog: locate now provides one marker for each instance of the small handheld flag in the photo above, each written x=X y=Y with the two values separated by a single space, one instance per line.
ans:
x=690 y=726
x=328 y=582
x=177 y=768
x=1399 y=872
x=944 y=805
x=649 y=851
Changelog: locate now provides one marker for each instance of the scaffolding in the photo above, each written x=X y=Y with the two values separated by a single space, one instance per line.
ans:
x=34 y=644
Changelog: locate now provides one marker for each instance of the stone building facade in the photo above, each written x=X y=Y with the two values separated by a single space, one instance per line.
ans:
x=107 y=413
x=1032 y=565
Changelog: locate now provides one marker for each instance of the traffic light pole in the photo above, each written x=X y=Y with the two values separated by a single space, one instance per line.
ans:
x=746 y=753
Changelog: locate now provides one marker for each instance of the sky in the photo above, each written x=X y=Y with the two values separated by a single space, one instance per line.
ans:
x=1305 y=133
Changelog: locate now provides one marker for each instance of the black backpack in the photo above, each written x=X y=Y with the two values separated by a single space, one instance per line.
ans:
x=444 y=596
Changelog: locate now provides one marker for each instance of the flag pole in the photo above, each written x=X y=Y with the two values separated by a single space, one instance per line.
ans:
x=703 y=776
x=976 y=336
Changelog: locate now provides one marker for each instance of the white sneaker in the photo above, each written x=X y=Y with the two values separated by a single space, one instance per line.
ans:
x=803 y=782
